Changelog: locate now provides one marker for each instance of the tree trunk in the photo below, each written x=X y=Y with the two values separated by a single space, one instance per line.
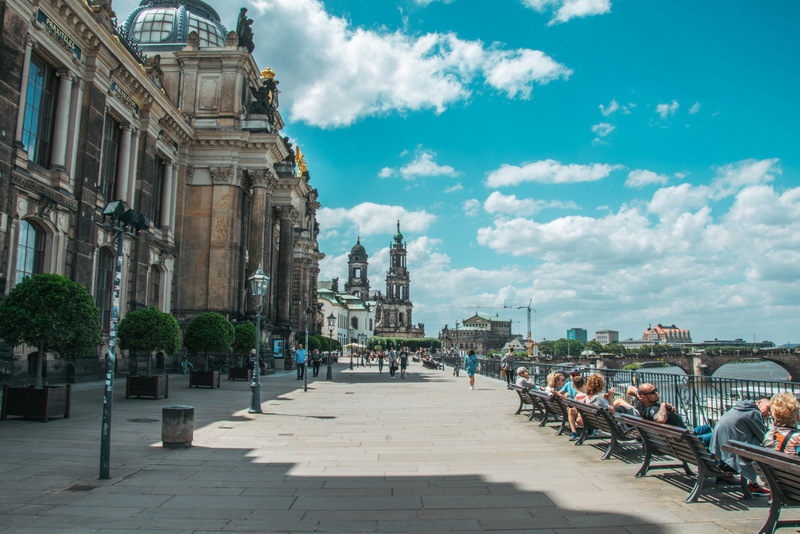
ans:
x=206 y=361
x=39 y=360
x=149 y=362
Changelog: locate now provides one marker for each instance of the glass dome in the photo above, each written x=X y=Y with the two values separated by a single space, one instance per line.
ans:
x=165 y=24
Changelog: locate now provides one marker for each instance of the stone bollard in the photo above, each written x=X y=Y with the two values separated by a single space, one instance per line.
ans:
x=177 y=426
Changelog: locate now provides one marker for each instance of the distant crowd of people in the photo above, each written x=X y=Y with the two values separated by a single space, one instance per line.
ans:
x=745 y=421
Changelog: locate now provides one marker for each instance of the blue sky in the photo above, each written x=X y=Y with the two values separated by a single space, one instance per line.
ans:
x=618 y=162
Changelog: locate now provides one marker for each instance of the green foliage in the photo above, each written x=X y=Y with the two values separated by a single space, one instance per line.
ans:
x=567 y=347
x=314 y=342
x=209 y=332
x=52 y=313
x=149 y=330
x=244 y=339
x=594 y=346
x=413 y=344
x=614 y=348
x=547 y=347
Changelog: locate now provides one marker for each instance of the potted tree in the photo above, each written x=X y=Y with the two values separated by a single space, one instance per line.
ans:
x=208 y=332
x=149 y=330
x=244 y=340
x=57 y=316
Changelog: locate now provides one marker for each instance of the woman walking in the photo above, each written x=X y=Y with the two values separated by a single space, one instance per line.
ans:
x=380 y=361
x=508 y=365
x=471 y=367
x=392 y=363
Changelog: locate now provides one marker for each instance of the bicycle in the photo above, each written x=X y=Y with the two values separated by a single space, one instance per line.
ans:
x=218 y=365
x=186 y=366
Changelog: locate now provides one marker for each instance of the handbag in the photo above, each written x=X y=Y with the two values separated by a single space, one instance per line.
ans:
x=503 y=372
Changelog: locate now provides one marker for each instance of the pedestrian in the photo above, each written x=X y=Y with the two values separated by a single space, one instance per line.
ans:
x=403 y=363
x=456 y=367
x=316 y=360
x=392 y=363
x=471 y=367
x=380 y=361
x=300 y=360
x=509 y=364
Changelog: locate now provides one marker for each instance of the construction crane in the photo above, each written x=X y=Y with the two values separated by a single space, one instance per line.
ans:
x=527 y=307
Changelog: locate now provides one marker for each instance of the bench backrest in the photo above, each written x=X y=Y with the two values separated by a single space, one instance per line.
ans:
x=779 y=468
x=552 y=402
x=596 y=417
x=523 y=394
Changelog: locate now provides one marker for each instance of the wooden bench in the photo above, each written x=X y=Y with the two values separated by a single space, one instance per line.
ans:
x=595 y=418
x=552 y=407
x=526 y=402
x=431 y=364
x=685 y=446
x=782 y=473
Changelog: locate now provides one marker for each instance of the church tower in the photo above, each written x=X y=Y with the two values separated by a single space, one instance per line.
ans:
x=357 y=264
x=394 y=310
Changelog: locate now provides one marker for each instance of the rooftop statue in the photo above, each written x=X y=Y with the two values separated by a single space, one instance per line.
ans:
x=301 y=161
x=244 y=30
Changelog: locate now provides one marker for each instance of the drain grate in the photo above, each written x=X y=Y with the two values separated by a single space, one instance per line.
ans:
x=81 y=487
x=143 y=420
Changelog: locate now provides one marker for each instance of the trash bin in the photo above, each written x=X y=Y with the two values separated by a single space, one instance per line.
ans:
x=177 y=426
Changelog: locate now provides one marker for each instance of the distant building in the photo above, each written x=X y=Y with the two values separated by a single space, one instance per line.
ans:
x=578 y=334
x=633 y=344
x=481 y=333
x=393 y=315
x=355 y=317
x=670 y=335
x=604 y=337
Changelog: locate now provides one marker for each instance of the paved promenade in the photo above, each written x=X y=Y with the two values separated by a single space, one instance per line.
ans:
x=360 y=454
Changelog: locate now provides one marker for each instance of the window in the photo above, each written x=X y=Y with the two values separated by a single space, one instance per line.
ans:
x=105 y=288
x=30 y=251
x=357 y=272
x=154 y=287
x=37 y=131
x=354 y=323
x=108 y=171
x=400 y=318
x=208 y=33
x=158 y=187
x=154 y=25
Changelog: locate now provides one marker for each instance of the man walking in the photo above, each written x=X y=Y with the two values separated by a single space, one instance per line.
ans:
x=316 y=359
x=300 y=360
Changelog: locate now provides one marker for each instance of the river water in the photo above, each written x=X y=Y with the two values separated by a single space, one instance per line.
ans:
x=748 y=371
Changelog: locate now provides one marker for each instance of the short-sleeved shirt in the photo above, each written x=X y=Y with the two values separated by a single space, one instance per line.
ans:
x=776 y=435
x=403 y=360
x=300 y=356
x=649 y=413
x=471 y=364
x=600 y=401
x=569 y=389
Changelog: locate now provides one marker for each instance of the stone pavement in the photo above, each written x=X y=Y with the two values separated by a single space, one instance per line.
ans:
x=359 y=454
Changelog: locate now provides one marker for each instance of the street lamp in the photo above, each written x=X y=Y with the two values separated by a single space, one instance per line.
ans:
x=259 y=283
x=331 y=326
x=362 y=340
x=458 y=353
x=350 y=342
x=124 y=223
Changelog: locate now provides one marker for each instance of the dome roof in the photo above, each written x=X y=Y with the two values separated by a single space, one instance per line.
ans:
x=165 y=24
x=358 y=248
x=398 y=237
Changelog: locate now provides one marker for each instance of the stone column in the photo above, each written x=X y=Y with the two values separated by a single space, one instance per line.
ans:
x=166 y=198
x=59 y=153
x=124 y=164
x=287 y=215
x=23 y=93
x=263 y=182
x=131 y=193
x=174 y=196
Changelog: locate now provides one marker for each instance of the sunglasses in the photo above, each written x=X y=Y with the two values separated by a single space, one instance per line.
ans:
x=654 y=390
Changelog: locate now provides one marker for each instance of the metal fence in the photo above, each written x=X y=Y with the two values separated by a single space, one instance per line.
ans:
x=699 y=399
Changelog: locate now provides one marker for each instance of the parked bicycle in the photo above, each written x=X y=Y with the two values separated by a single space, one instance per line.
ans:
x=218 y=365
x=186 y=366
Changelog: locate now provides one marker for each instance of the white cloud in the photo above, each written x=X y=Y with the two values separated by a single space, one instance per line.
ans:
x=610 y=109
x=643 y=177
x=368 y=218
x=734 y=176
x=602 y=130
x=422 y=165
x=548 y=172
x=510 y=204
x=454 y=188
x=566 y=10
x=695 y=108
x=471 y=207
x=339 y=74
x=667 y=110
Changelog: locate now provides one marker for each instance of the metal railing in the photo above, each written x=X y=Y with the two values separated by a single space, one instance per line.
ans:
x=699 y=399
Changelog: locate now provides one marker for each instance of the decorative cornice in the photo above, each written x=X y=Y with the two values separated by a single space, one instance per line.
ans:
x=287 y=212
x=222 y=175
x=189 y=174
x=33 y=185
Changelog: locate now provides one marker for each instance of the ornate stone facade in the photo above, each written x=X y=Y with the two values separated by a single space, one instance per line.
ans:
x=89 y=119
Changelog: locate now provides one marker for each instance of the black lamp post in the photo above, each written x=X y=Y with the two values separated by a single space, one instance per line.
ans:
x=331 y=326
x=258 y=283
x=125 y=223
x=362 y=340
x=350 y=342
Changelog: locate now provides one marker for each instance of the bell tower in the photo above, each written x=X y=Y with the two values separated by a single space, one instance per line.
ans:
x=357 y=281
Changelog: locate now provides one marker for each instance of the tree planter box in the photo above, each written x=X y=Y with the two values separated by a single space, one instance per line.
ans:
x=156 y=387
x=204 y=378
x=238 y=373
x=44 y=403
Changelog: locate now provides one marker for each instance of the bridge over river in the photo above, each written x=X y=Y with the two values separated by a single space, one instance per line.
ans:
x=701 y=364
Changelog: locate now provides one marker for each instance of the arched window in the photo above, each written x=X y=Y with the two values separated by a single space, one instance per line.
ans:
x=154 y=288
x=39 y=112
x=30 y=251
x=400 y=318
x=104 y=289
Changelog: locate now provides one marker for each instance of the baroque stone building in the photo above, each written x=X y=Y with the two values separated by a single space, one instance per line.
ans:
x=169 y=113
x=481 y=333
x=393 y=315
